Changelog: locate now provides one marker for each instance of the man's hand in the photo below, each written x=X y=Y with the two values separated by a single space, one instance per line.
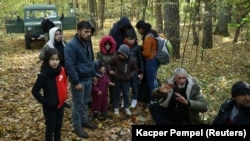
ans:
x=79 y=87
x=180 y=98
x=166 y=88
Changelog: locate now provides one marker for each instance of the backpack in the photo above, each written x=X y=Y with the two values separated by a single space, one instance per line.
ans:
x=165 y=50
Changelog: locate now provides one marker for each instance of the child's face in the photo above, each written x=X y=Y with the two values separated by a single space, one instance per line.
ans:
x=107 y=46
x=121 y=56
x=58 y=36
x=54 y=61
x=102 y=69
x=130 y=40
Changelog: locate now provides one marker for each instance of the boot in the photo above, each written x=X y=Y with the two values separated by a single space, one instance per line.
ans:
x=81 y=133
x=105 y=115
x=95 y=114
x=133 y=103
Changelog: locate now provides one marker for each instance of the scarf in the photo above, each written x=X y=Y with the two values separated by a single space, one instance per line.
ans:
x=61 y=83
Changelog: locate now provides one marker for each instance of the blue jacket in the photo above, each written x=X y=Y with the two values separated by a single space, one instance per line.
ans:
x=79 y=58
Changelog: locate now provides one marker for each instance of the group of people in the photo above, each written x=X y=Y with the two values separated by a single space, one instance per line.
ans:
x=121 y=64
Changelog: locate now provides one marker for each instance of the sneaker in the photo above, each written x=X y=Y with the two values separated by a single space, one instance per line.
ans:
x=133 y=103
x=122 y=104
x=127 y=110
x=116 y=111
x=81 y=133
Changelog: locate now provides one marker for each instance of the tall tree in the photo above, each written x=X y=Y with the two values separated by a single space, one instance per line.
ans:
x=224 y=19
x=101 y=12
x=92 y=10
x=159 y=19
x=172 y=25
x=207 y=41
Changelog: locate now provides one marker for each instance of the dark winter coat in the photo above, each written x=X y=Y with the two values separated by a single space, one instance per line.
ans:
x=46 y=81
x=105 y=55
x=124 y=68
x=116 y=31
x=242 y=118
x=79 y=60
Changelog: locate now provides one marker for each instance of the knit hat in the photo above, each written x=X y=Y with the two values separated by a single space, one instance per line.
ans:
x=124 y=50
x=98 y=64
x=240 y=87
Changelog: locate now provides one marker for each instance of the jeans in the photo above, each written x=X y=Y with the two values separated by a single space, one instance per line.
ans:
x=121 y=87
x=134 y=82
x=80 y=104
x=151 y=68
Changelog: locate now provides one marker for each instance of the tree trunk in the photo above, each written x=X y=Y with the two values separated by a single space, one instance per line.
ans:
x=195 y=15
x=92 y=11
x=101 y=11
x=172 y=25
x=207 y=41
x=223 y=20
x=144 y=8
x=159 y=19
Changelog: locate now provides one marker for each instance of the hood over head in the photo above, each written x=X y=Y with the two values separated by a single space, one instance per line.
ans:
x=112 y=42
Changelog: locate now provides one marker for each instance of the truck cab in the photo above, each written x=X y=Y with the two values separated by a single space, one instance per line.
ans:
x=30 y=25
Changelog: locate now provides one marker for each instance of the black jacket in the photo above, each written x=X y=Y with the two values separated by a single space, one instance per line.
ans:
x=46 y=81
x=242 y=118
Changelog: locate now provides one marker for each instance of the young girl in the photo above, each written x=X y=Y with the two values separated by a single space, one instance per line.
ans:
x=107 y=50
x=100 y=91
x=52 y=80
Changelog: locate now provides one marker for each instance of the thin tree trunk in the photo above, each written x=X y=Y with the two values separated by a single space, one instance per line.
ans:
x=207 y=41
x=172 y=25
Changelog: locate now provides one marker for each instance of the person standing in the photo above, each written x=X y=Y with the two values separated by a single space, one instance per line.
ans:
x=118 y=30
x=99 y=105
x=122 y=68
x=53 y=81
x=107 y=50
x=149 y=50
x=235 y=110
x=181 y=101
x=56 y=40
x=135 y=50
x=79 y=65
x=46 y=25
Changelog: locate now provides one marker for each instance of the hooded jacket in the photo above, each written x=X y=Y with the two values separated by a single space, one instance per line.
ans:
x=197 y=101
x=124 y=68
x=104 y=55
x=52 y=44
x=116 y=31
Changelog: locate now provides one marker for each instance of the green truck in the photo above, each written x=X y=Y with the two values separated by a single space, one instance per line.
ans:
x=30 y=25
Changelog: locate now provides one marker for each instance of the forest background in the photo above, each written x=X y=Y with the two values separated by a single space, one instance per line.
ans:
x=210 y=40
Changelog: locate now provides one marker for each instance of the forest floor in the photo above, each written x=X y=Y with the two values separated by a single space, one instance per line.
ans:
x=21 y=115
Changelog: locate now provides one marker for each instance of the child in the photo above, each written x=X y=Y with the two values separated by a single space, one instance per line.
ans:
x=122 y=68
x=52 y=80
x=56 y=40
x=135 y=50
x=107 y=50
x=100 y=91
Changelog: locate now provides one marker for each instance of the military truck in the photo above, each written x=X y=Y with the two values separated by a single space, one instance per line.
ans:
x=30 y=25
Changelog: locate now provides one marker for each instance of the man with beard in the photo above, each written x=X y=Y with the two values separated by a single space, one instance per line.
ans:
x=79 y=65
x=236 y=110
x=180 y=101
